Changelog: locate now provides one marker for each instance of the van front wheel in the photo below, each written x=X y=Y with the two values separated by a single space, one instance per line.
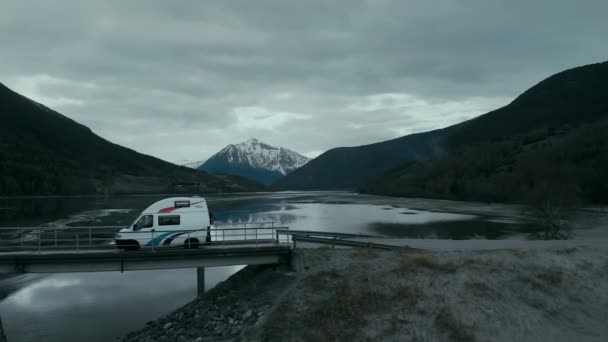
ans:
x=191 y=243
x=127 y=245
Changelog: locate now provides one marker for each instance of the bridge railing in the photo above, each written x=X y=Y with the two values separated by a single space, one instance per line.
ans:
x=103 y=237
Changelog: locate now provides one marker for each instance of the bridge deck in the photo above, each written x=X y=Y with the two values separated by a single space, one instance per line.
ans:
x=148 y=259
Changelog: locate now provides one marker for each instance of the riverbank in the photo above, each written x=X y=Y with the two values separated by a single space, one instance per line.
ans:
x=555 y=294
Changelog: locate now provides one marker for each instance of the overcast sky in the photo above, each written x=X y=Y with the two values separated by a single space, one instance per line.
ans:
x=182 y=79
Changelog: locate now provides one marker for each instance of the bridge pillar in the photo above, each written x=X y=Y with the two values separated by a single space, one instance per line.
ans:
x=200 y=281
x=2 y=336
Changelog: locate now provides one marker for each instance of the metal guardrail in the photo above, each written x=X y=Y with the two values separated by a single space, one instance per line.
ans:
x=103 y=237
x=335 y=235
x=342 y=242
x=333 y=239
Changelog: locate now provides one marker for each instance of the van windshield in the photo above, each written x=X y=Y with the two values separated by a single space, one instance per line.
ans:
x=144 y=222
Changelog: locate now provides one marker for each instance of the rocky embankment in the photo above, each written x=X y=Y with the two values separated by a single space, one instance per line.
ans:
x=224 y=312
x=543 y=294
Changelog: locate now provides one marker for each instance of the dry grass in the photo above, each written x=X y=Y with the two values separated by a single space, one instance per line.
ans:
x=425 y=261
x=566 y=251
x=547 y=280
x=474 y=263
x=455 y=328
x=321 y=280
x=482 y=290
x=365 y=253
x=342 y=317
x=551 y=277
x=408 y=293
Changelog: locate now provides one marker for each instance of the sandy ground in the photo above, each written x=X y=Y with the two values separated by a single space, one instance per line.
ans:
x=546 y=294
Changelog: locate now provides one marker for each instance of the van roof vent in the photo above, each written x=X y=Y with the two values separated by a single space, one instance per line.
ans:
x=181 y=204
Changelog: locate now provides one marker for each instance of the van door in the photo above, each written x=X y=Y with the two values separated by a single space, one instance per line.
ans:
x=143 y=229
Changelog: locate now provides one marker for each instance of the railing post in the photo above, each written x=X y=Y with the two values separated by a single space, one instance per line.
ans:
x=55 y=237
x=90 y=239
x=22 y=237
x=77 y=242
x=152 y=232
x=39 y=239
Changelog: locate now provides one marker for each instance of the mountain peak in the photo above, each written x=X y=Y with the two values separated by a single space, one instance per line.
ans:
x=255 y=159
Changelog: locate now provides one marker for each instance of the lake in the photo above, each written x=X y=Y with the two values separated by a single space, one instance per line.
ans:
x=105 y=306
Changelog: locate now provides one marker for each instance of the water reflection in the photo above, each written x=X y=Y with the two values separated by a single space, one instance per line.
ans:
x=346 y=218
x=98 y=306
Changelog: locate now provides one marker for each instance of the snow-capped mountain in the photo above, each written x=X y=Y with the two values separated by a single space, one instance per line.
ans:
x=189 y=163
x=256 y=160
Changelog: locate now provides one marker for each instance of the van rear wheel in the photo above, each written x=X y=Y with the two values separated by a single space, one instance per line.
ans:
x=191 y=243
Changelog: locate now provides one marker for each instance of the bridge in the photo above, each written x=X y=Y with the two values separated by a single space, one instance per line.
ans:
x=92 y=249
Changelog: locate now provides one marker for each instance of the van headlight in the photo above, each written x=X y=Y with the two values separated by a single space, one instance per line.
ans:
x=118 y=235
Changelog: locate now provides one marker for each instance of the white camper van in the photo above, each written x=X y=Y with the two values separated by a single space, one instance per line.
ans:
x=176 y=221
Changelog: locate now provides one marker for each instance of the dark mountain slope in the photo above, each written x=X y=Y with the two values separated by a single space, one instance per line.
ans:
x=551 y=142
x=345 y=168
x=45 y=153
x=570 y=97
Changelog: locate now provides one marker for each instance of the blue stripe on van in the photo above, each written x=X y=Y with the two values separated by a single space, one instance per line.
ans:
x=172 y=237
x=158 y=239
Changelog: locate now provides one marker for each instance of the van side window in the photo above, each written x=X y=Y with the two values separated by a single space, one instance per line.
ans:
x=145 y=221
x=168 y=220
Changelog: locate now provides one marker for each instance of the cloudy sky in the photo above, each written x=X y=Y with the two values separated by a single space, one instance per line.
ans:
x=182 y=79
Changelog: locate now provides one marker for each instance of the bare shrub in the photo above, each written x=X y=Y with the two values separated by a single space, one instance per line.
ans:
x=550 y=209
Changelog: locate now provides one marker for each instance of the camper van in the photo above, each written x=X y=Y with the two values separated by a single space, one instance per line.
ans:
x=171 y=222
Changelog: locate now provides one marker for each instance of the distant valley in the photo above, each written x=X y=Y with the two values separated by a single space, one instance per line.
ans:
x=550 y=141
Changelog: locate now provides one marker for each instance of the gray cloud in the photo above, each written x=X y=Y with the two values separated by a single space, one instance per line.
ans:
x=179 y=80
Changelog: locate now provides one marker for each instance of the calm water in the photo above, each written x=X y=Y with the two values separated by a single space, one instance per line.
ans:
x=105 y=306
